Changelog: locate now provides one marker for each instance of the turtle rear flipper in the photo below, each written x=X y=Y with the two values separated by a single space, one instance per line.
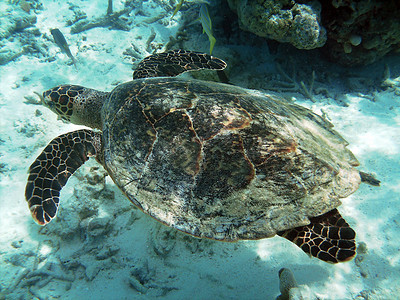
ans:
x=175 y=62
x=52 y=168
x=328 y=237
x=369 y=179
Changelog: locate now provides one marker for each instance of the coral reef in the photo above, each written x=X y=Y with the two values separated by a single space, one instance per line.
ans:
x=15 y=22
x=110 y=20
x=361 y=32
x=18 y=27
x=284 y=21
x=350 y=32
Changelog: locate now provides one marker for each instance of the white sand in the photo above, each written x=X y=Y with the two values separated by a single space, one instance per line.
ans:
x=117 y=252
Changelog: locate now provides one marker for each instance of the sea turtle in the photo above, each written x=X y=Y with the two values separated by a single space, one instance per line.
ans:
x=210 y=159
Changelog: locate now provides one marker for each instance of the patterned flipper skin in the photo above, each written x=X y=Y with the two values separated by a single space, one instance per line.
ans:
x=52 y=168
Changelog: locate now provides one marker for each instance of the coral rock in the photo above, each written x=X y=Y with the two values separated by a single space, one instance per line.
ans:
x=372 y=28
x=297 y=24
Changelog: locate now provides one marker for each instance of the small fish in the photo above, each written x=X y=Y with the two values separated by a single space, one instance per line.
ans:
x=62 y=43
x=178 y=7
x=205 y=20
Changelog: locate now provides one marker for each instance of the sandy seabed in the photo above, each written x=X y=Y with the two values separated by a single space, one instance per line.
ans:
x=101 y=247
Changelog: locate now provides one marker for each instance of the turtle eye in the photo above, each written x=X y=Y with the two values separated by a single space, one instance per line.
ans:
x=60 y=100
x=47 y=102
x=51 y=98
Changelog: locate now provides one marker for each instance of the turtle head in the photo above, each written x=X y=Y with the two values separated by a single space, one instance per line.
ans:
x=60 y=99
x=76 y=104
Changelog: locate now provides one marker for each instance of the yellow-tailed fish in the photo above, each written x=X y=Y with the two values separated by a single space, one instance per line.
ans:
x=178 y=7
x=62 y=43
x=205 y=20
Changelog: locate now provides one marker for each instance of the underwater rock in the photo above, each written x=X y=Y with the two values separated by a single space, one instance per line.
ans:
x=96 y=175
x=19 y=35
x=287 y=283
x=15 y=22
x=390 y=83
x=98 y=227
x=145 y=280
x=289 y=288
x=162 y=240
x=202 y=247
x=52 y=269
x=20 y=258
x=352 y=32
x=7 y=55
x=17 y=244
x=107 y=252
x=91 y=271
x=110 y=21
x=33 y=279
x=361 y=32
x=67 y=228
x=297 y=24
x=135 y=284
x=140 y=277
x=362 y=251
x=28 y=129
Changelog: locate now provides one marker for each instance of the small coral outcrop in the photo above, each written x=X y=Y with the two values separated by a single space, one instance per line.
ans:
x=361 y=32
x=351 y=32
x=283 y=20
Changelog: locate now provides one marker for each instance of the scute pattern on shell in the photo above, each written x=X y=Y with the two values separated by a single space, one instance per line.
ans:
x=223 y=162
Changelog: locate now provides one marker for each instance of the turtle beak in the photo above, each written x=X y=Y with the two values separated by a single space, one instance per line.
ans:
x=46 y=99
x=41 y=99
x=48 y=102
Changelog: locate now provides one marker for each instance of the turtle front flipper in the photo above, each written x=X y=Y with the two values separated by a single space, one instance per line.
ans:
x=52 y=168
x=175 y=62
x=328 y=237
